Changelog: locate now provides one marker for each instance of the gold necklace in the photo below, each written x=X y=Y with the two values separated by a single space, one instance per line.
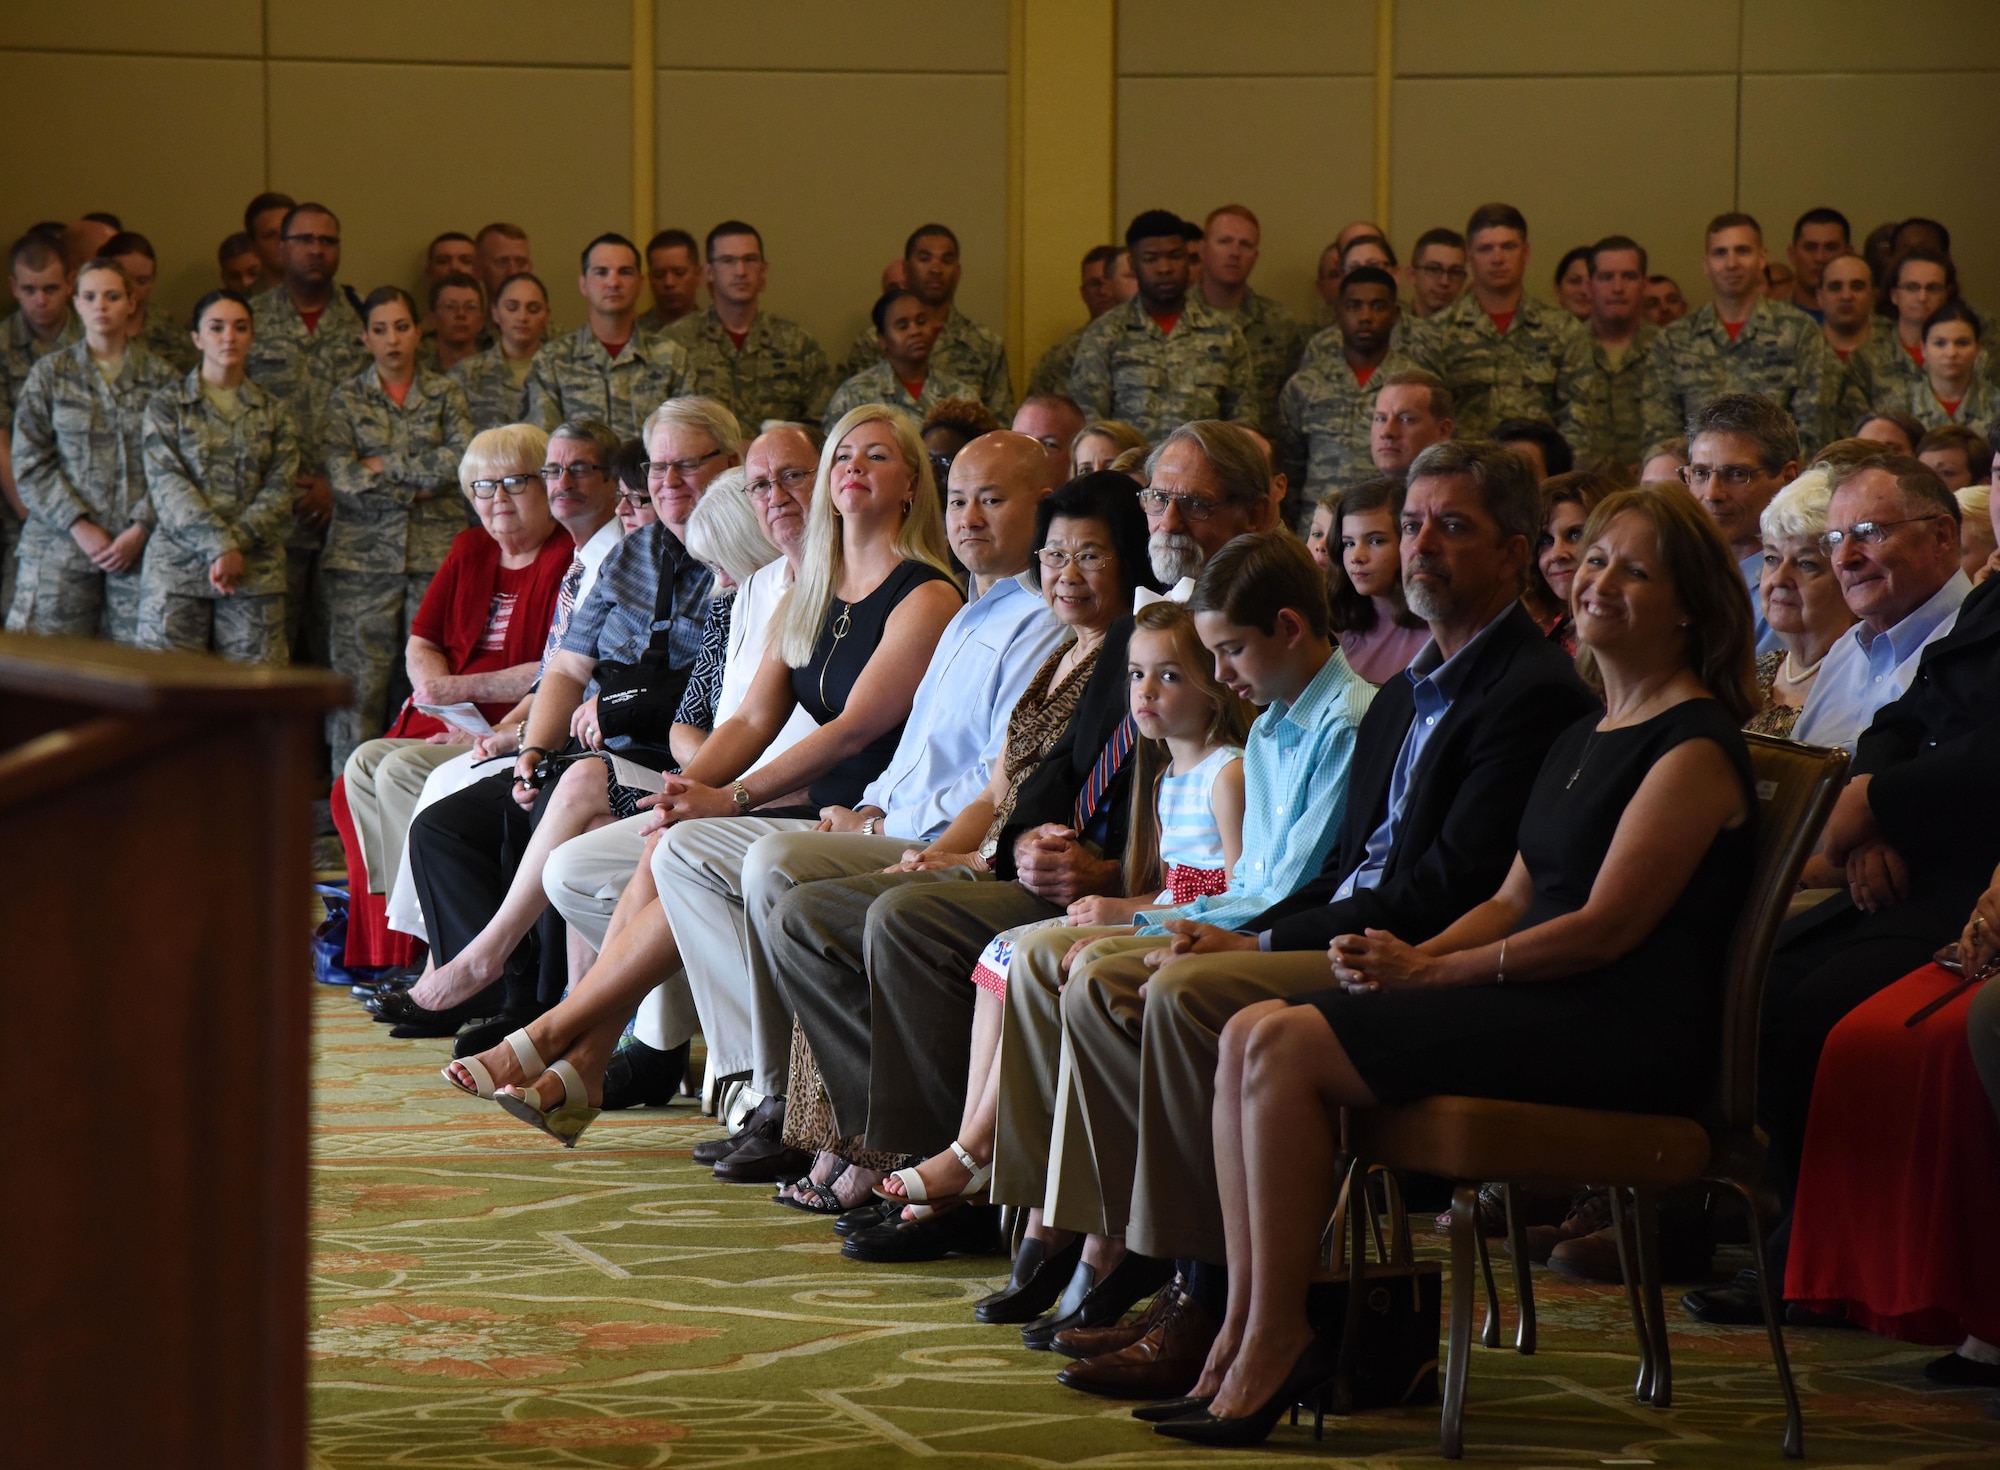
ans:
x=841 y=624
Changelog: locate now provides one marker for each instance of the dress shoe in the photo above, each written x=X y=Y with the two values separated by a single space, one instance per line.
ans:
x=1736 y=1305
x=969 y=1230
x=1591 y=1214
x=1957 y=1371
x=1165 y=1363
x=1101 y=1303
x=1311 y=1373
x=1095 y=1342
x=1167 y=1409
x=488 y=1034
x=1033 y=1285
x=867 y=1215
x=767 y=1120
x=763 y=1161
x=1685 y=1252
x=408 y=1020
x=641 y=1076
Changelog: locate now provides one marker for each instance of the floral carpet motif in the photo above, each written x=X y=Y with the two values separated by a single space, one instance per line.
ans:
x=485 y=1300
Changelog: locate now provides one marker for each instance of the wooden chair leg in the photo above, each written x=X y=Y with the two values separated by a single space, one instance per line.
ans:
x=1524 y=1288
x=1648 y=1222
x=1628 y=1268
x=1458 y=1345
x=1795 y=1446
x=1489 y=1331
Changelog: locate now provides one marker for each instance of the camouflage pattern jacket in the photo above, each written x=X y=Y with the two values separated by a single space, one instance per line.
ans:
x=778 y=373
x=79 y=442
x=1325 y=417
x=1541 y=368
x=1779 y=352
x=1623 y=440
x=402 y=517
x=492 y=392
x=964 y=352
x=1276 y=343
x=575 y=378
x=879 y=384
x=1127 y=368
x=219 y=483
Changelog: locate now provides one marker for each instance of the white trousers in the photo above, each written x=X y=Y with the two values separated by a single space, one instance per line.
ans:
x=406 y=914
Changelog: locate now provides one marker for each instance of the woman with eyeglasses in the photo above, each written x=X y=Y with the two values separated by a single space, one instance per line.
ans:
x=1802 y=601
x=1892 y=362
x=635 y=499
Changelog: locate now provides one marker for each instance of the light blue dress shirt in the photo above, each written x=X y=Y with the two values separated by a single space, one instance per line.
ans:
x=958 y=721
x=1295 y=769
x=1864 y=671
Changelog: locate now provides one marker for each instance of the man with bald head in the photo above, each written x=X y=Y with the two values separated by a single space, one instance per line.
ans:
x=719 y=878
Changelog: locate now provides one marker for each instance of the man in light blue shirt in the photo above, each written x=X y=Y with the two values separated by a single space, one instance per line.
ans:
x=1892 y=538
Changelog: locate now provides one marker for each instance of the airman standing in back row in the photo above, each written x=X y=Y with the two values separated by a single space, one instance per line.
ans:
x=1165 y=358
x=608 y=369
x=907 y=376
x=1621 y=340
x=496 y=380
x=673 y=275
x=1229 y=249
x=964 y=351
x=1107 y=282
x=1326 y=412
x=164 y=337
x=79 y=431
x=764 y=367
x=39 y=277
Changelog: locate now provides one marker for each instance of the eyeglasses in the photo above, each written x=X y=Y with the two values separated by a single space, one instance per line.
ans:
x=329 y=241
x=1191 y=507
x=512 y=484
x=634 y=497
x=1869 y=533
x=1055 y=559
x=788 y=480
x=577 y=469
x=1439 y=272
x=1924 y=288
x=1735 y=476
x=656 y=469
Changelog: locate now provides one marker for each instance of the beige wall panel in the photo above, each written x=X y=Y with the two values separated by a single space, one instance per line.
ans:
x=212 y=28
x=503 y=32
x=1582 y=158
x=1248 y=38
x=1871 y=35
x=184 y=204
x=560 y=169
x=1564 y=37
x=1297 y=150
x=826 y=35
x=1818 y=140
x=829 y=229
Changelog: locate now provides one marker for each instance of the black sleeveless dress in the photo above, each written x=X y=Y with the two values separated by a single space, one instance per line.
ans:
x=1638 y=1035
x=848 y=637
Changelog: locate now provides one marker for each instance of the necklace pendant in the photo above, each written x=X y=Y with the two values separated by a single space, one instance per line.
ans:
x=1572 y=778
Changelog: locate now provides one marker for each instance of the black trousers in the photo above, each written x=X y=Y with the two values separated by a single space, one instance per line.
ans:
x=464 y=851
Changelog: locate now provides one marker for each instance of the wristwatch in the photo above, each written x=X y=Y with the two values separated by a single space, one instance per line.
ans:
x=740 y=795
x=868 y=827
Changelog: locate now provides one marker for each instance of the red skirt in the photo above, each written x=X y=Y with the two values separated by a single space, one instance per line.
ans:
x=1899 y=1188
x=371 y=943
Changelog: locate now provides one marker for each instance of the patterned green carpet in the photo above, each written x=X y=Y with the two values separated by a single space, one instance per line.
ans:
x=482 y=1298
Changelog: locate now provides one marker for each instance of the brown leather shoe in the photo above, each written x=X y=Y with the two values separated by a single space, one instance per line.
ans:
x=1590 y=1217
x=1095 y=1342
x=1163 y=1364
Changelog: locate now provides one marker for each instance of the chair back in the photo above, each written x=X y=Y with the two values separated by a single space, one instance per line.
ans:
x=1796 y=789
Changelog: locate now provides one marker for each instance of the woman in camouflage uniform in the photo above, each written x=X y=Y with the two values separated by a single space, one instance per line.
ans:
x=496 y=380
x=222 y=458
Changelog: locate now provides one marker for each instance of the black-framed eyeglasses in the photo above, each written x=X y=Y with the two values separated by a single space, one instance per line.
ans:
x=1191 y=507
x=1735 y=476
x=1868 y=533
x=512 y=484
x=329 y=241
x=657 y=469
x=789 y=480
x=634 y=497
x=577 y=469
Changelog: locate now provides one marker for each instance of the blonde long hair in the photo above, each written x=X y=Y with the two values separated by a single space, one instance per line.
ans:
x=920 y=538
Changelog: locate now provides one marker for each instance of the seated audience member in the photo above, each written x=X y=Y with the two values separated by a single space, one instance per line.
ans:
x=1412 y=412
x=1665 y=462
x=952 y=425
x=1897 y=1190
x=1911 y=877
x=1567 y=501
x=1954 y=389
x=1742 y=449
x=1539 y=442
x=906 y=333
x=394 y=435
x=475 y=641
x=1326 y=409
x=871 y=601
x=1053 y=422
x=221 y=456
x=79 y=426
x=1957 y=455
x=1977 y=540
x=1592 y=958
x=1319 y=530
x=496 y=380
x=1377 y=632
x=1101 y=441
x=635 y=495
x=458 y=306
x=1801 y=598
x=1442 y=767
x=1899 y=431
x=1892 y=539
x=1206 y=484
x=238 y=264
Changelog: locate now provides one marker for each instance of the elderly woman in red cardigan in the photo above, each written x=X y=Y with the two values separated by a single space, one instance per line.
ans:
x=477 y=640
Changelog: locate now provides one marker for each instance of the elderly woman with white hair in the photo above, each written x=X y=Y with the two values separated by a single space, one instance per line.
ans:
x=1801 y=599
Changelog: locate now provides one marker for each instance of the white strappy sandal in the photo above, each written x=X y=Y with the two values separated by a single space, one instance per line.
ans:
x=524 y=1053
x=918 y=1198
x=565 y=1121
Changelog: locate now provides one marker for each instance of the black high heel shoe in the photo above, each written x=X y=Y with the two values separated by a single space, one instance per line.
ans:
x=1314 y=1369
x=409 y=1020
x=1033 y=1285
x=1171 y=1409
x=1101 y=1302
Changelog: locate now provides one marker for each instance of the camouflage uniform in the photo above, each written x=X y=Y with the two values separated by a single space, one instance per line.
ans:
x=1883 y=372
x=1542 y=368
x=391 y=529
x=1979 y=409
x=170 y=341
x=79 y=453
x=879 y=384
x=575 y=378
x=220 y=479
x=301 y=369
x=20 y=351
x=1623 y=440
x=492 y=392
x=1325 y=418
x=1779 y=354
x=1051 y=374
x=1276 y=342
x=779 y=373
x=965 y=352
x=1127 y=368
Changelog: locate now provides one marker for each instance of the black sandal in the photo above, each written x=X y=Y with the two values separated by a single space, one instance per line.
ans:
x=821 y=1200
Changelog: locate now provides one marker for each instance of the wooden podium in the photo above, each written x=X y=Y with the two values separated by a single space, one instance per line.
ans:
x=154 y=893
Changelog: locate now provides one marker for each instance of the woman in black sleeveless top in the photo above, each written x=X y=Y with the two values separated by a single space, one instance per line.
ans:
x=1592 y=978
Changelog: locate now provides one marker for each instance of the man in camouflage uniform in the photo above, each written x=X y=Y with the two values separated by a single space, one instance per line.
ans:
x=396 y=508
x=1847 y=318
x=39 y=277
x=165 y=338
x=1742 y=343
x=1107 y=282
x=764 y=367
x=1229 y=250
x=964 y=351
x=906 y=377
x=1164 y=358
x=608 y=369
x=1503 y=354
x=306 y=342
x=1326 y=410
x=1885 y=368
x=1621 y=339
x=458 y=331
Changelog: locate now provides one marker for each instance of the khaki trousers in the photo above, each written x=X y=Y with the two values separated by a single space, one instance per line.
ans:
x=384 y=780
